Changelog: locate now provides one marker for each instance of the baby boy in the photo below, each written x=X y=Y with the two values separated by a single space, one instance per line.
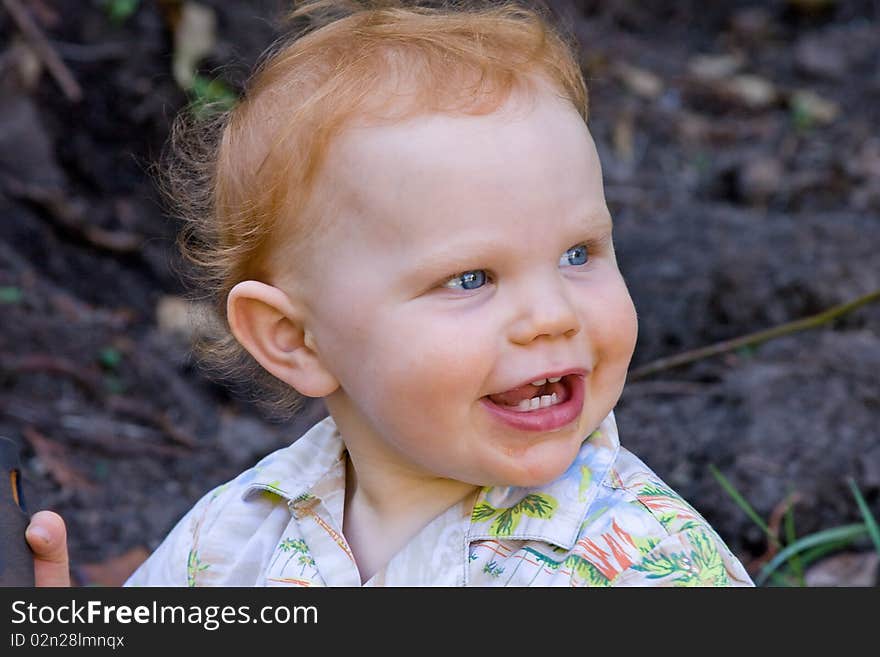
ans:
x=407 y=220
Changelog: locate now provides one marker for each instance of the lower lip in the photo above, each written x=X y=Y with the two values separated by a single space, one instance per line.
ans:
x=551 y=418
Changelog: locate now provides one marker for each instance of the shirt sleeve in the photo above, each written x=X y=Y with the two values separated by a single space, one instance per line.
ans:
x=691 y=557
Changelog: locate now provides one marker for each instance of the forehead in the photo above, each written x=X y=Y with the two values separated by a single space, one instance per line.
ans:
x=421 y=178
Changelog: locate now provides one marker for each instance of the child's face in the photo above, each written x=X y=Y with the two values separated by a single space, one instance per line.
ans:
x=508 y=198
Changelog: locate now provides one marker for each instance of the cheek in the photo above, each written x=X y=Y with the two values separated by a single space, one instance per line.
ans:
x=350 y=337
x=627 y=323
x=614 y=325
x=432 y=358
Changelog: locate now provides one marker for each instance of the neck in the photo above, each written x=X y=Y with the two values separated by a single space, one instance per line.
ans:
x=388 y=499
x=385 y=508
x=392 y=494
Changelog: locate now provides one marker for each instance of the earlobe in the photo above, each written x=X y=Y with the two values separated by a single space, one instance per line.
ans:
x=269 y=325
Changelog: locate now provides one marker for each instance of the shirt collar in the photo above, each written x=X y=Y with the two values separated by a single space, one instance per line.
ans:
x=553 y=513
x=292 y=472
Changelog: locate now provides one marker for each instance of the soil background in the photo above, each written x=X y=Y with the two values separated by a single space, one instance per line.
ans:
x=741 y=150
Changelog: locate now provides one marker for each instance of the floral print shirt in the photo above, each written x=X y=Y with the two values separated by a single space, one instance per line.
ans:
x=607 y=521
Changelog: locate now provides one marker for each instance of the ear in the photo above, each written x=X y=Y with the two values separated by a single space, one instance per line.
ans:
x=270 y=326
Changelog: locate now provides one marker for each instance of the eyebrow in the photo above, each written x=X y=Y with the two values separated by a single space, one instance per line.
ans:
x=454 y=259
x=459 y=257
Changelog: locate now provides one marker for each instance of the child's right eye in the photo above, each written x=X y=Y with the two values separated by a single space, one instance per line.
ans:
x=469 y=280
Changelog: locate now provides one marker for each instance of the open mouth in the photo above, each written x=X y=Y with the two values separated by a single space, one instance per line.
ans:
x=531 y=398
x=549 y=407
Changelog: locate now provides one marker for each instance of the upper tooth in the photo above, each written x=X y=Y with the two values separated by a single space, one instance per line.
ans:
x=543 y=381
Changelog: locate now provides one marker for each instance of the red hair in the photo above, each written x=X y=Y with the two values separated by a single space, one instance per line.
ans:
x=242 y=181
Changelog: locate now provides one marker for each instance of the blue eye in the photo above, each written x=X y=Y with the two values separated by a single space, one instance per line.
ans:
x=579 y=253
x=476 y=278
x=470 y=280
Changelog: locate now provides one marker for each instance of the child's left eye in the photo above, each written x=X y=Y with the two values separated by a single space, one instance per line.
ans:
x=476 y=278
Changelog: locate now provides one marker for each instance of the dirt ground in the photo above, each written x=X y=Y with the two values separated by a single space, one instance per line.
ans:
x=741 y=149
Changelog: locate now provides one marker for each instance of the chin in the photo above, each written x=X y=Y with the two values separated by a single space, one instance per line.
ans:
x=535 y=464
x=537 y=473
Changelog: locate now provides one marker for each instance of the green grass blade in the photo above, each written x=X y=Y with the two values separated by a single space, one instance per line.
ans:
x=742 y=503
x=870 y=521
x=782 y=580
x=791 y=538
x=847 y=533
x=809 y=557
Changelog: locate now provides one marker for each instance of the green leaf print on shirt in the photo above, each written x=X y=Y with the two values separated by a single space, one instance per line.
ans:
x=543 y=562
x=482 y=512
x=584 y=485
x=656 y=488
x=286 y=545
x=534 y=505
x=304 y=560
x=493 y=569
x=298 y=547
x=708 y=561
x=702 y=565
x=591 y=575
x=193 y=567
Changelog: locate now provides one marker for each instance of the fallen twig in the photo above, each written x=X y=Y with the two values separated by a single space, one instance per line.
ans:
x=91 y=383
x=752 y=339
x=94 y=432
x=44 y=362
x=54 y=457
x=773 y=523
x=57 y=68
x=115 y=437
x=143 y=411
x=71 y=215
x=69 y=306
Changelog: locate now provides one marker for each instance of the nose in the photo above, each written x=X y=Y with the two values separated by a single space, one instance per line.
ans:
x=545 y=308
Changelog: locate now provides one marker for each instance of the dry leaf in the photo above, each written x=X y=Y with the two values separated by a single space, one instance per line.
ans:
x=715 y=67
x=813 y=107
x=194 y=37
x=641 y=82
x=623 y=137
x=176 y=315
x=27 y=63
x=749 y=90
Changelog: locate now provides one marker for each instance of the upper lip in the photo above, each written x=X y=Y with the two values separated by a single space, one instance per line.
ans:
x=579 y=371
